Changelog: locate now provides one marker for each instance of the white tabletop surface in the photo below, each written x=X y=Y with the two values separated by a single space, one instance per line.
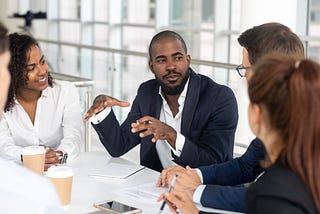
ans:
x=87 y=190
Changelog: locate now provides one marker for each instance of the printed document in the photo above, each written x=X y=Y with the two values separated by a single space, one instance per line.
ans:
x=116 y=170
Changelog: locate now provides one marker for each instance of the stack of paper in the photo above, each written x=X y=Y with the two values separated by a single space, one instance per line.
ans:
x=116 y=170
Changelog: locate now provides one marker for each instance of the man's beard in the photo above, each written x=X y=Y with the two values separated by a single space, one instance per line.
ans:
x=175 y=90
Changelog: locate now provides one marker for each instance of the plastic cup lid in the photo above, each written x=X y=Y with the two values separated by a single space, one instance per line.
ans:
x=59 y=171
x=32 y=150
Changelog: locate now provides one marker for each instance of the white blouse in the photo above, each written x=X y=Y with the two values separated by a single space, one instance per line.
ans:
x=58 y=123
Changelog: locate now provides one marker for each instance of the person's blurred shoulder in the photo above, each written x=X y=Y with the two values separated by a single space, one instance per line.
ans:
x=24 y=191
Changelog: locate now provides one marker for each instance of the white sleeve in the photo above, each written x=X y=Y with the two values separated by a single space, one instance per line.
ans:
x=179 y=144
x=72 y=123
x=198 y=171
x=97 y=118
x=197 y=194
x=8 y=148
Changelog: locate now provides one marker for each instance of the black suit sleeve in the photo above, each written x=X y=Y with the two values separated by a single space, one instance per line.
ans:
x=230 y=198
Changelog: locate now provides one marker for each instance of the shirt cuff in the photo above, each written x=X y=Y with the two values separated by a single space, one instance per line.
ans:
x=97 y=118
x=199 y=174
x=198 y=193
x=179 y=145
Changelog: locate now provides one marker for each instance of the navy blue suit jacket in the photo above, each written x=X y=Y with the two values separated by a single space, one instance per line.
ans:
x=209 y=120
x=223 y=189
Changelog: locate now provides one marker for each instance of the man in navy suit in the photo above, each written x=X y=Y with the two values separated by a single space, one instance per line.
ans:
x=179 y=117
x=219 y=185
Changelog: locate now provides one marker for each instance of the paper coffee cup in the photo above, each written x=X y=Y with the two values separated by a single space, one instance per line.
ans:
x=33 y=158
x=61 y=177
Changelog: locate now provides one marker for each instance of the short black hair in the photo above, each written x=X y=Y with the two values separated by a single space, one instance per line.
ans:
x=166 y=34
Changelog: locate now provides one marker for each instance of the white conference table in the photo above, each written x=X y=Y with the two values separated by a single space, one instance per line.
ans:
x=87 y=190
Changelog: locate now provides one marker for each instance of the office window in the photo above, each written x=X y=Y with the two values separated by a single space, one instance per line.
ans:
x=314 y=31
x=137 y=39
x=101 y=10
x=138 y=12
x=152 y=10
x=125 y=11
x=315 y=11
x=101 y=35
x=208 y=10
x=70 y=9
x=176 y=12
x=70 y=31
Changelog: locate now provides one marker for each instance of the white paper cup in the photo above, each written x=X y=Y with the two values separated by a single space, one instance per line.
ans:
x=33 y=158
x=61 y=177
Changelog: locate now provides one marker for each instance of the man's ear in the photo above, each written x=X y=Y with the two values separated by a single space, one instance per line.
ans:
x=188 y=57
x=151 y=66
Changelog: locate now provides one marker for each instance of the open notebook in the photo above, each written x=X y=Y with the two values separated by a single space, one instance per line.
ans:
x=116 y=171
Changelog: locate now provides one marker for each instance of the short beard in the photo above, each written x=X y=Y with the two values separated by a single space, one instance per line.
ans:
x=176 y=90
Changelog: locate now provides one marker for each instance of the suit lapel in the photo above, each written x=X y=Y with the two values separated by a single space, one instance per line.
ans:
x=156 y=103
x=191 y=102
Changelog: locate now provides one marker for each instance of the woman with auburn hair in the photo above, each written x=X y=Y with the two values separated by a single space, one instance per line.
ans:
x=284 y=113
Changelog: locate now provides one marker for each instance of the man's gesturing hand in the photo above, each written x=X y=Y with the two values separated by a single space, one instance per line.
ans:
x=151 y=126
x=101 y=102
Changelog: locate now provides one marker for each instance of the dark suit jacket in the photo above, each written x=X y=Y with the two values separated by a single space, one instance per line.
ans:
x=220 y=192
x=209 y=120
x=279 y=190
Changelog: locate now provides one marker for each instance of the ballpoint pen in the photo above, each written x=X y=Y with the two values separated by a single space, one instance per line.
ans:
x=63 y=159
x=169 y=190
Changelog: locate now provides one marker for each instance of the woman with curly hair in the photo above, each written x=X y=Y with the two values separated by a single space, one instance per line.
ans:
x=33 y=193
x=39 y=111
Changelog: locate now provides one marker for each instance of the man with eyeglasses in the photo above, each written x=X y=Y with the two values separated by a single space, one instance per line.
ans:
x=220 y=185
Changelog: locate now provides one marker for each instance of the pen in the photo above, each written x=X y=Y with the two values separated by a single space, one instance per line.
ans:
x=169 y=190
x=64 y=158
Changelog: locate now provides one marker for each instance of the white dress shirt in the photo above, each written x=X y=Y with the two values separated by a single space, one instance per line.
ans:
x=23 y=191
x=163 y=147
x=58 y=123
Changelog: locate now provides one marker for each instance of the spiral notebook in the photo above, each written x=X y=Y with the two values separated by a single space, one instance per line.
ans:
x=116 y=171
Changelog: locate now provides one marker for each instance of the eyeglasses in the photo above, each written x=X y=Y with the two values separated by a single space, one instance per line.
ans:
x=242 y=70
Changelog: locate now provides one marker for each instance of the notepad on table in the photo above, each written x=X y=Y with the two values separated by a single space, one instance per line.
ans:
x=116 y=170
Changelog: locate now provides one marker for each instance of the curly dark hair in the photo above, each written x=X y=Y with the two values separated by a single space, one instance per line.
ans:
x=20 y=45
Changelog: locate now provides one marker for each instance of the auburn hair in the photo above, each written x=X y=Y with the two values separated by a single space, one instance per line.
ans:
x=289 y=90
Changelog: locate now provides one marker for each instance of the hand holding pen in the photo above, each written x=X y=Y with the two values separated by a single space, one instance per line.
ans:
x=181 y=202
x=169 y=190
